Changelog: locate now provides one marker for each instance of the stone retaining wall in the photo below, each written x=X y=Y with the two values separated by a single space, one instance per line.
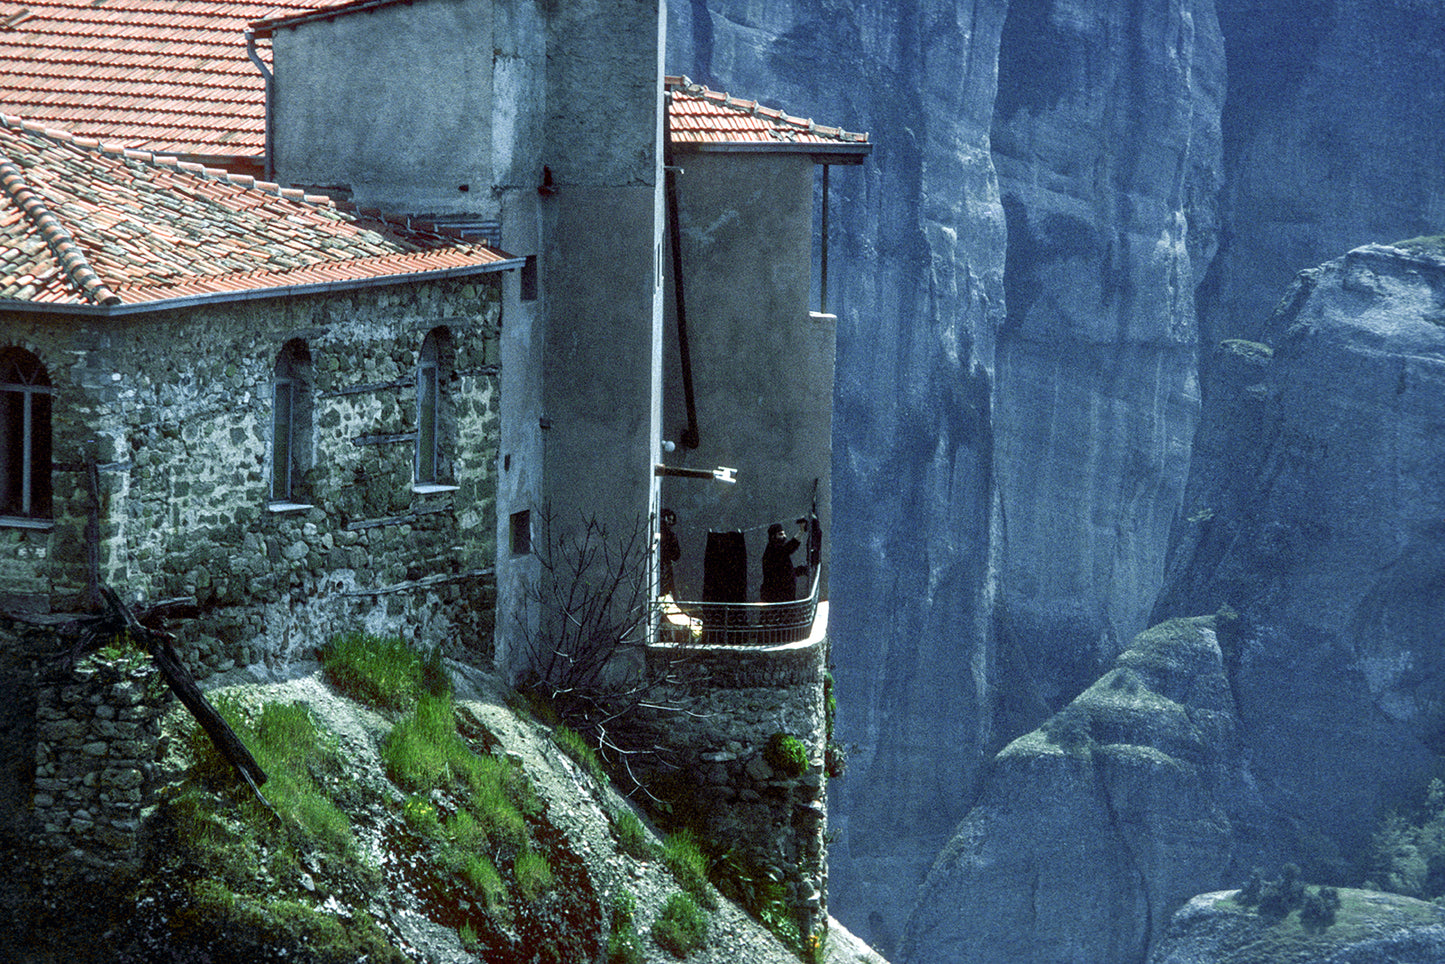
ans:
x=724 y=705
x=97 y=748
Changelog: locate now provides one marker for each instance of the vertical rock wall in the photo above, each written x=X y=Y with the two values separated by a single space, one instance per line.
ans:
x=1106 y=138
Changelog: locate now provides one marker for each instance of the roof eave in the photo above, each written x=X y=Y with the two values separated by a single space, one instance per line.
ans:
x=820 y=153
x=265 y=28
x=17 y=306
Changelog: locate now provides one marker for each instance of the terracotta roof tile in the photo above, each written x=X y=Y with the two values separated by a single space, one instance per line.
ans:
x=167 y=75
x=88 y=224
x=699 y=117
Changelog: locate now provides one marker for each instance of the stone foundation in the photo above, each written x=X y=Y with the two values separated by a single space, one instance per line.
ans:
x=724 y=705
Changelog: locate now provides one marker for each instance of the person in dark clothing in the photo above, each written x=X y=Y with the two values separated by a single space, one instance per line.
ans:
x=778 y=573
x=669 y=550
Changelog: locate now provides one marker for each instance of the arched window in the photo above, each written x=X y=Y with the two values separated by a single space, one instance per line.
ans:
x=433 y=415
x=291 y=422
x=25 y=395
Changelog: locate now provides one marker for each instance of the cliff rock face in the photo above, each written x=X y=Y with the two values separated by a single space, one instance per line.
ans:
x=1091 y=830
x=1106 y=138
x=1333 y=138
x=1315 y=511
x=1062 y=208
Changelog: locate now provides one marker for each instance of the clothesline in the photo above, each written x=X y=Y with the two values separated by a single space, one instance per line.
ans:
x=679 y=527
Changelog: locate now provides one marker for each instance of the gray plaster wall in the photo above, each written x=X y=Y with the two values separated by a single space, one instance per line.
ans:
x=392 y=105
x=602 y=257
x=762 y=364
x=518 y=145
x=174 y=409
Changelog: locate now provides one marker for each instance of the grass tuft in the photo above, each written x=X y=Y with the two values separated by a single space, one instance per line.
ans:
x=689 y=866
x=632 y=836
x=681 y=928
x=534 y=874
x=385 y=673
x=572 y=744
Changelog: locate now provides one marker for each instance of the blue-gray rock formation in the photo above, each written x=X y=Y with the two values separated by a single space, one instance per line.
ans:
x=1069 y=206
x=1107 y=143
x=1317 y=513
x=1369 y=928
x=1092 y=830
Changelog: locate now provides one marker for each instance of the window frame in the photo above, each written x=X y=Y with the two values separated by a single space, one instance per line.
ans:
x=23 y=374
x=431 y=471
x=290 y=454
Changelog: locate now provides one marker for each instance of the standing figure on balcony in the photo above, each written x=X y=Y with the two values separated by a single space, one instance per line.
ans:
x=669 y=550
x=779 y=575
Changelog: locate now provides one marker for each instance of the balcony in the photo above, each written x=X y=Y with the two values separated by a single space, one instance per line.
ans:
x=688 y=623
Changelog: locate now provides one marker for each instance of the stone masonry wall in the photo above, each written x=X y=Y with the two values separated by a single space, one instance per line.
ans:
x=725 y=704
x=78 y=766
x=171 y=414
x=98 y=732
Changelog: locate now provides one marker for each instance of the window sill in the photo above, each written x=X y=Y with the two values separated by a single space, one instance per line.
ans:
x=20 y=522
x=288 y=506
x=432 y=488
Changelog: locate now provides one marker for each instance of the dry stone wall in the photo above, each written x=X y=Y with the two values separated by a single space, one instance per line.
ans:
x=98 y=739
x=162 y=432
x=723 y=705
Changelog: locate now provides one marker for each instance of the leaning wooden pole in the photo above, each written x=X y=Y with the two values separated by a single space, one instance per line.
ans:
x=183 y=684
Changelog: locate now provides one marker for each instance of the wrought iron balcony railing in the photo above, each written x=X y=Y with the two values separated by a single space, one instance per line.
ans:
x=687 y=623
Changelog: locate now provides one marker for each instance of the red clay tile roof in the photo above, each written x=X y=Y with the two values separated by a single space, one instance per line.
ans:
x=162 y=75
x=702 y=119
x=83 y=223
x=174 y=77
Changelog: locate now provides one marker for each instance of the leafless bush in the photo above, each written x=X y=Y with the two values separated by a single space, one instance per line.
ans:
x=593 y=603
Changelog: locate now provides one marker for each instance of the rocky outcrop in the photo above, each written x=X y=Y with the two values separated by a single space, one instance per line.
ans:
x=1369 y=928
x=1315 y=511
x=1093 y=829
x=1333 y=139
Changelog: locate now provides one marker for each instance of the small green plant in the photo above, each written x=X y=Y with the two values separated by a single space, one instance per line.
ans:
x=786 y=755
x=681 y=928
x=689 y=866
x=534 y=874
x=761 y=893
x=1320 y=907
x=623 y=946
x=421 y=816
x=572 y=744
x=482 y=874
x=1274 y=899
x=632 y=836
